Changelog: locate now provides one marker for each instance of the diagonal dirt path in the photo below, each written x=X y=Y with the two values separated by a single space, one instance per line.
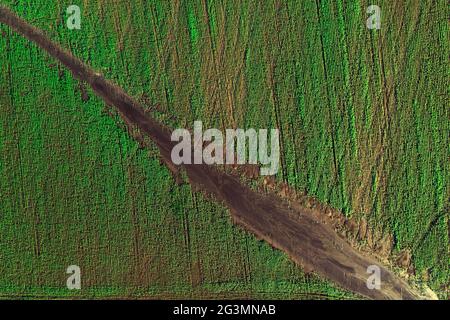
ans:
x=308 y=242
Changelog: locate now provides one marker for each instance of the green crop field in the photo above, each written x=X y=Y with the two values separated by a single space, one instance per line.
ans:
x=364 y=128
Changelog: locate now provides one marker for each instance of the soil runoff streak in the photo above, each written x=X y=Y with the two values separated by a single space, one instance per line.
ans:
x=308 y=242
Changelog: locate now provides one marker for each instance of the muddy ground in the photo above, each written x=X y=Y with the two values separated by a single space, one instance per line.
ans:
x=309 y=242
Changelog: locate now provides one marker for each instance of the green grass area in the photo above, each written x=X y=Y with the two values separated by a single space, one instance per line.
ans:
x=362 y=114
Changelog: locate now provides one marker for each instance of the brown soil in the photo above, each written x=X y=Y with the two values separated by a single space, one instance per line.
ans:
x=293 y=229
